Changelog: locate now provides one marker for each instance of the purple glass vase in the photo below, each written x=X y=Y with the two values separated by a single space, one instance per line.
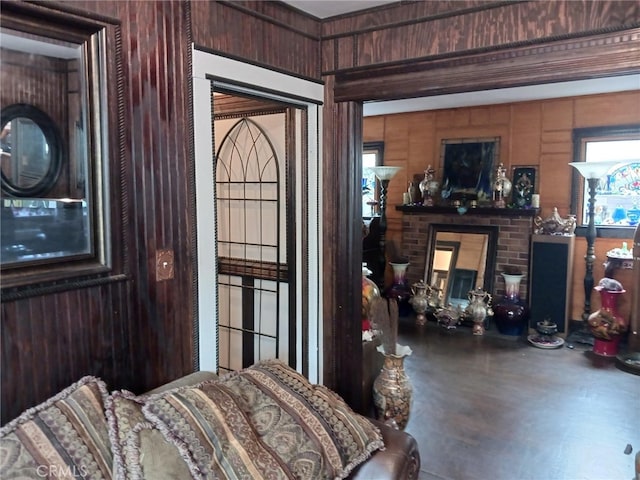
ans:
x=400 y=289
x=511 y=314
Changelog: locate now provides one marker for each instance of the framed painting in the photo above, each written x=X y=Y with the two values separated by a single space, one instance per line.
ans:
x=524 y=185
x=468 y=168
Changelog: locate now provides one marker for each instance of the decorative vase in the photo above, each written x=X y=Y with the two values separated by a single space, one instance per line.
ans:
x=501 y=187
x=428 y=187
x=511 y=314
x=420 y=301
x=606 y=324
x=392 y=390
x=478 y=309
x=400 y=289
x=369 y=291
x=411 y=197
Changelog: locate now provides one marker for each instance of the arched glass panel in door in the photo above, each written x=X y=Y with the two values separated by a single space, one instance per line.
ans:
x=251 y=246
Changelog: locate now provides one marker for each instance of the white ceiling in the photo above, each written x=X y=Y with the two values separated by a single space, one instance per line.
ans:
x=506 y=95
x=330 y=8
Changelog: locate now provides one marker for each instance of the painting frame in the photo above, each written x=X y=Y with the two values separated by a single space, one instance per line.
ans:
x=524 y=185
x=467 y=165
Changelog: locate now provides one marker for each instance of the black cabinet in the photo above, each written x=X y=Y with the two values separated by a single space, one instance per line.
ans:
x=550 y=272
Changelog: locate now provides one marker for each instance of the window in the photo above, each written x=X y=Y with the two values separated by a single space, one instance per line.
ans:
x=372 y=154
x=618 y=193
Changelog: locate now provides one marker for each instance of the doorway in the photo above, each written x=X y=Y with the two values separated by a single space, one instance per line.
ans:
x=257 y=196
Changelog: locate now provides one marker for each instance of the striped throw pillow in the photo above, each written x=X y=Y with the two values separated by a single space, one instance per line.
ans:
x=64 y=437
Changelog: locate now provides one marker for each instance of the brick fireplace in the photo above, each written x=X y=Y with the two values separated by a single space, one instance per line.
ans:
x=514 y=233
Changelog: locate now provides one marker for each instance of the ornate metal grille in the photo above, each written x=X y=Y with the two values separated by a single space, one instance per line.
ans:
x=251 y=246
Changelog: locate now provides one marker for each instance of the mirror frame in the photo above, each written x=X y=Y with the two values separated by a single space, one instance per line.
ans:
x=492 y=249
x=54 y=140
x=100 y=38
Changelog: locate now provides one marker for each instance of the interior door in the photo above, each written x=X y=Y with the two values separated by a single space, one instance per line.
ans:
x=258 y=203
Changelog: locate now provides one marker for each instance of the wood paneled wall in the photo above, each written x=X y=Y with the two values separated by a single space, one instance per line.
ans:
x=534 y=133
x=419 y=30
x=51 y=341
x=136 y=332
x=263 y=33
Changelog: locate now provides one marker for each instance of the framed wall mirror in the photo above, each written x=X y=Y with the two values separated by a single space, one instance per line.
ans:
x=459 y=259
x=58 y=84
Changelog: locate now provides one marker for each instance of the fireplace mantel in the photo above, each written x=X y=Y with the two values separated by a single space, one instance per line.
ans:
x=490 y=211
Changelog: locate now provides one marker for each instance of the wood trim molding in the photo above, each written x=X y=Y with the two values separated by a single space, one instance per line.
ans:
x=397 y=15
x=280 y=15
x=64 y=286
x=490 y=211
x=342 y=249
x=596 y=56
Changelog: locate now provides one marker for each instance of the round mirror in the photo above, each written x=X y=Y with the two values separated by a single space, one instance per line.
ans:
x=30 y=151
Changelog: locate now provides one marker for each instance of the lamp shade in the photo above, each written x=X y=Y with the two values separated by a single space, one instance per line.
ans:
x=385 y=172
x=594 y=169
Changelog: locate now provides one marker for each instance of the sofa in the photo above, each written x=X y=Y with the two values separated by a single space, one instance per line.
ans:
x=265 y=421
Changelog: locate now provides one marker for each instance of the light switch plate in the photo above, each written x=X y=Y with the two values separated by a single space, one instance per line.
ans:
x=164 y=265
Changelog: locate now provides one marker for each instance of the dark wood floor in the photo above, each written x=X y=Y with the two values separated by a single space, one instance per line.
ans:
x=493 y=408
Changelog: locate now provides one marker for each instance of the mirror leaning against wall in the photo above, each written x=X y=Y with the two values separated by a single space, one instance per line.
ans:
x=460 y=258
x=53 y=145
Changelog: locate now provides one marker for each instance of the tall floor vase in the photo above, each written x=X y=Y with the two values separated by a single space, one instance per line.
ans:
x=392 y=392
x=606 y=324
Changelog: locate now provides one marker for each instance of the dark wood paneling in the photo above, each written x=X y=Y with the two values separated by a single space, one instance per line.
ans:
x=401 y=13
x=614 y=53
x=51 y=341
x=264 y=33
x=134 y=334
x=435 y=29
x=342 y=270
x=159 y=141
x=237 y=106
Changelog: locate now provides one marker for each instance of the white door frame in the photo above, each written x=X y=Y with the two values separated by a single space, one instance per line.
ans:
x=244 y=77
